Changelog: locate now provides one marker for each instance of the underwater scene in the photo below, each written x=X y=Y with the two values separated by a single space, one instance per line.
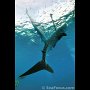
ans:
x=44 y=44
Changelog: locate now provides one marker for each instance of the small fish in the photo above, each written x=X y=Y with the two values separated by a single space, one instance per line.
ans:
x=16 y=83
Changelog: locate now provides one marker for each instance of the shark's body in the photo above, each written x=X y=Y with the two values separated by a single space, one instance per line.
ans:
x=51 y=42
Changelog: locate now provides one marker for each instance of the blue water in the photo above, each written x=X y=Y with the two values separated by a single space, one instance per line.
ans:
x=61 y=59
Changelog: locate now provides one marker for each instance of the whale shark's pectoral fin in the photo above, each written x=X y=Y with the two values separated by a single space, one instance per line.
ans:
x=37 y=67
x=62 y=34
x=40 y=33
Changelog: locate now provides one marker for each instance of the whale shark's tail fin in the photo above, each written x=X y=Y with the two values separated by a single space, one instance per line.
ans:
x=42 y=65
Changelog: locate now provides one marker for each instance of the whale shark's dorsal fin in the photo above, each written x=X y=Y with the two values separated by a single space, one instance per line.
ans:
x=40 y=33
x=53 y=22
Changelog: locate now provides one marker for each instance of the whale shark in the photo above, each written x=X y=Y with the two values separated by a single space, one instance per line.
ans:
x=48 y=43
